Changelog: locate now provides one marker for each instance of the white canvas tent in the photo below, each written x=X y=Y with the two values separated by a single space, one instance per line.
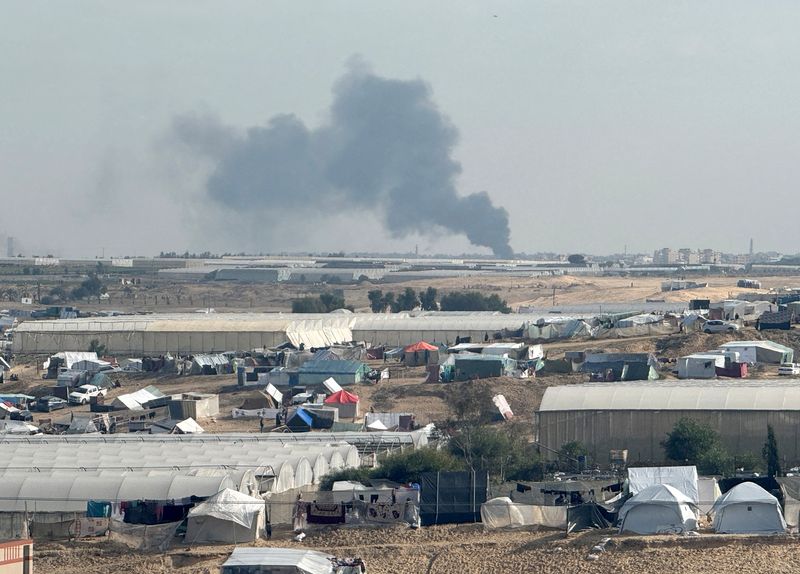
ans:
x=228 y=517
x=683 y=478
x=700 y=366
x=709 y=491
x=748 y=509
x=658 y=509
x=277 y=561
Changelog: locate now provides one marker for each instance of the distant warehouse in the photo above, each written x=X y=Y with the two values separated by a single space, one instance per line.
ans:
x=638 y=415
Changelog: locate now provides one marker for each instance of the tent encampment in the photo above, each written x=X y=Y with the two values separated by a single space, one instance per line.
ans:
x=658 y=509
x=748 y=509
x=229 y=517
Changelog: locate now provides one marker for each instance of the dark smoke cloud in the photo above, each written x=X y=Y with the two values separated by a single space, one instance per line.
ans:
x=386 y=146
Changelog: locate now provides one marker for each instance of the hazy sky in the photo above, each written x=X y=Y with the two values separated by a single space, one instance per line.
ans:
x=594 y=124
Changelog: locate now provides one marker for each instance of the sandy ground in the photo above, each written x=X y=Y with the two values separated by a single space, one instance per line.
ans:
x=158 y=295
x=464 y=549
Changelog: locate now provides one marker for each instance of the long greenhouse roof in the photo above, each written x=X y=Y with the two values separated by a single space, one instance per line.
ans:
x=233 y=322
x=684 y=395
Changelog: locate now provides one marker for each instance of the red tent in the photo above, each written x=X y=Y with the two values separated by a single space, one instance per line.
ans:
x=342 y=397
x=419 y=347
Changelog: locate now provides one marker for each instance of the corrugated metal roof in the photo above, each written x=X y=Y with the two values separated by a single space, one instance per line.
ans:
x=763 y=395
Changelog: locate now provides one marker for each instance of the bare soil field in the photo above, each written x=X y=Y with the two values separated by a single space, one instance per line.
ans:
x=160 y=295
x=464 y=549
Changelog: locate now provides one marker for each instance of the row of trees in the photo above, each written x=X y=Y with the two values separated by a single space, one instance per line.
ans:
x=409 y=299
x=696 y=443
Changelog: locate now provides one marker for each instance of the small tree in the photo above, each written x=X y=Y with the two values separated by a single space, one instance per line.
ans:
x=308 y=305
x=407 y=300
x=690 y=441
x=770 y=453
x=469 y=402
x=376 y=301
x=570 y=451
x=96 y=347
x=427 y=299
x=577 y=259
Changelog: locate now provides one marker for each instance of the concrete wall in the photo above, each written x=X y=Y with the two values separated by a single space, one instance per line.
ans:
x=641 y=432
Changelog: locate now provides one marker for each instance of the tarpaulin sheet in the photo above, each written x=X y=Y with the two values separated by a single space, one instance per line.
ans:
x=503 y=513
x=452 y=497
x=683 y=478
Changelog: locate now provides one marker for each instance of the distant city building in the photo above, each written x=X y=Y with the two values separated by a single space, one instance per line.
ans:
x=710 y=256
x=665 y=256
x=10 y=247
x=689 y=256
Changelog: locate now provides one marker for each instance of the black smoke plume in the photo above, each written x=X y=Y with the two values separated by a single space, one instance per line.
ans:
x=386 y=146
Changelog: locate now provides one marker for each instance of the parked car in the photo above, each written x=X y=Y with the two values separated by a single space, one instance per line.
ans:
x=789 y=369
x=50 y=403
x=716 y=326
x=83 y=394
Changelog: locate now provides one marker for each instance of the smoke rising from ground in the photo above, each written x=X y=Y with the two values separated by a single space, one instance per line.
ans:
x=386 y=147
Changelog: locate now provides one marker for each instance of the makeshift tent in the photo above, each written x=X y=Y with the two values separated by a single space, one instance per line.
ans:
x=376 y=425
x=452 y=497
x=683 y=478
x=136 y=401
x=761 y=351
x=203 y=364
x=469 y=366
x=587 y=516
x=700 y=366
x=347 y=403
x=709 y=492
x=316 y=372
x=300 y=421
x=658 y=509
x=228 y=517
x=277 y=561
x=420 y=353
x=502 y=512
x=748 y=509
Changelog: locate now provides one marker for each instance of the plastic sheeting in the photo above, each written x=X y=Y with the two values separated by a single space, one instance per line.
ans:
x=503 y=513
x=231 y=506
